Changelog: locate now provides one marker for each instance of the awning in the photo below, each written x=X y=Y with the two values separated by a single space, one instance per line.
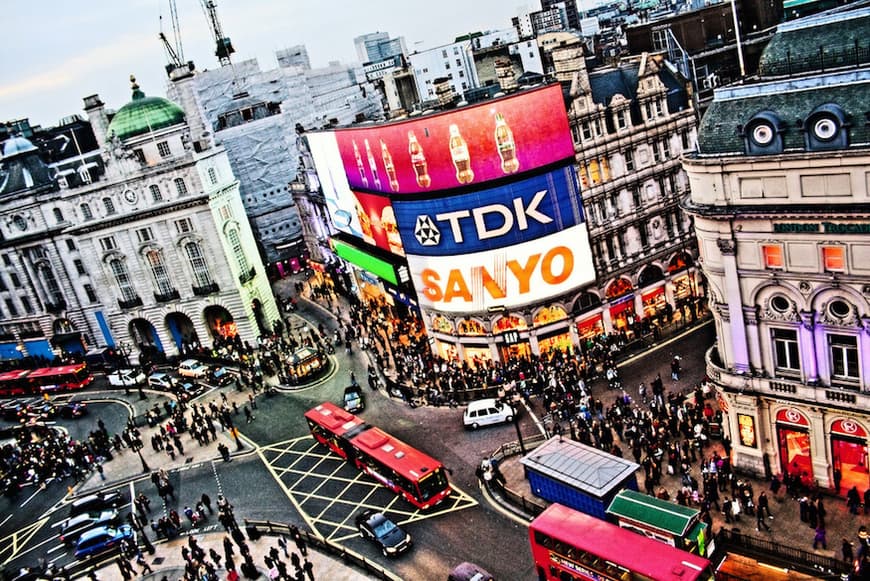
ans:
x=849 y=428
x=792 y=416
x=623 y=304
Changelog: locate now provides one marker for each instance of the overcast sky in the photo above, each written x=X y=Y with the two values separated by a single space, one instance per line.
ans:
x=56 y=52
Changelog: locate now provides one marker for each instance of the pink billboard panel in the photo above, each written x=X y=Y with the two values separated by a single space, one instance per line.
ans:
x=458 y=148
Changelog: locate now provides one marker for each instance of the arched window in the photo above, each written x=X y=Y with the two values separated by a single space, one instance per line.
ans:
x=109 y=205
x=122 y=277
x=159 y=272
x=180 y=187
x=238 y=251
x=156 y=195
x=86 y=212
x=201 y=275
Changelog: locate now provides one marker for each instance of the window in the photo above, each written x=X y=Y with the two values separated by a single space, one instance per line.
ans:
x=184 y=225
x=122 y=278
x=156 y=194
x=212 y=176
x=844 y=357
x=660 y=112
x=458 y=63
x=16 y=282
x=238 y=251
x=140 y=155
x=108 y=243
x=620 y=119
x=785 y=350
x=629 y=160
x=644 y=237
x=144 y=235
x=2 y=284
x=180 y=187
x=163 y=149
x=834 y=258
x=49 y=282
x=461 y=74
x=684 y=140
x=86 y=212
x=70 y=244
x=109 y=205
x=586 y=129
x=58 y=215
x=6 y=260
x=772 y=255
x=197 y=263
x=657 y=156
x=159 y=272
x=444 y=53
x=89 y=291
x=10 y=306
x=80 y=267
x=635 y=197
x=25 y=302
x=225 y=213
x=666 y=148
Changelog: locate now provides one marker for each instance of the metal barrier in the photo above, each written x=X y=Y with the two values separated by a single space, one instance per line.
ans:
x=321 y=544
x=528 y=504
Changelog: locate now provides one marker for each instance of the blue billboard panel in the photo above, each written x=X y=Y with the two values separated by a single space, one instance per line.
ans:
x=490 y=218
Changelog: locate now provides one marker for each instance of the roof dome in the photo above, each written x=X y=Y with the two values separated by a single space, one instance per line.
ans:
x=16 y=144
x=144 y=114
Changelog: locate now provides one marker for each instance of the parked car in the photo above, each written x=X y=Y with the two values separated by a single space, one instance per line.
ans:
x=127 y=378
x=487 y=411
x=72 y=528
x=386 y=534
x=73 y=409
x=187 y=390
x=468 y=572
x=95 y=503
x=161 y=381
x=220 y=377
x=354 y=401
x=193 y=368
x=102 y=539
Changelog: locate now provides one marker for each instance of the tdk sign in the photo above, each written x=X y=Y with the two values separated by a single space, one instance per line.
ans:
x=491 y=218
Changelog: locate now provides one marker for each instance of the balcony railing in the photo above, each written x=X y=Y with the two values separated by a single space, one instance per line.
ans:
x=756 y=384
x=131 y=304
x=55 y=307
x=248 y=276
x=167 y=297
x=206 y=290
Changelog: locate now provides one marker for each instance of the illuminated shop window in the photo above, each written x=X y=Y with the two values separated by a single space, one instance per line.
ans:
x=834 y=258
x=772 y=255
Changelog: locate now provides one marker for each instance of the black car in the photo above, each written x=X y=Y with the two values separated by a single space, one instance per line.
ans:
x=95 y=503
x=72 y=528
x=354 y=401
x=73 y=409
x=375 y=526
x=220 y=377
x=11 y=410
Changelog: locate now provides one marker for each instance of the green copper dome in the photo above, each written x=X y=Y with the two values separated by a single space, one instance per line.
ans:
x=144 y=114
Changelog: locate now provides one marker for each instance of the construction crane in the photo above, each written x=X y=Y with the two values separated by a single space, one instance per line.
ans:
x=174 y=54
x=224 y=48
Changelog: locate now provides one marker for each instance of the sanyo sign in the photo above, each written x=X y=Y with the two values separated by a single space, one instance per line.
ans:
x=491 y=218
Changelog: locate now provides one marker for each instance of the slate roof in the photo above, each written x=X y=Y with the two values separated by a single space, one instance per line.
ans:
x=580 y=466
x=623 y=80
x=22 y=169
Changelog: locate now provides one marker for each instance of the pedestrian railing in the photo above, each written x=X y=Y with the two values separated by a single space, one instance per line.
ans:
x=323 y=545
x=529 y=505
x=732 y=540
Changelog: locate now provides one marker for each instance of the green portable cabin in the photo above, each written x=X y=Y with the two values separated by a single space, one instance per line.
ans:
x=674 y=524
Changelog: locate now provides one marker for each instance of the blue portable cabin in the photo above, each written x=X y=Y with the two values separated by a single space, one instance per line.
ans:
x=576 y=475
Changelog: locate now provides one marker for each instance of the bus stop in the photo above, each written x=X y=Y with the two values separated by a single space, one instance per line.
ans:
x=576 y=475
x=674 y=524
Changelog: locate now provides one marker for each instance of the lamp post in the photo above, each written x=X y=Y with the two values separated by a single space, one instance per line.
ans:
x=137 y=447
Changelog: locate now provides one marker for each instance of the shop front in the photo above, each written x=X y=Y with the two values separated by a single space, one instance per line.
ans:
x=551 y=340
x=622 y=313
x=795 y=451
x=511 y=343
x=654 y=302
x=849 y=454
x=590 y=328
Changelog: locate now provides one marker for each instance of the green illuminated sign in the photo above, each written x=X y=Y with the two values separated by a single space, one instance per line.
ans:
x=366 y=261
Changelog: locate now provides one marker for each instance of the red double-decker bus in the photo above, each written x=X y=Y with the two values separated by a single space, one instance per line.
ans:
x=15 y=382
x=62 y=378
x=419 y=478
x=568 y=545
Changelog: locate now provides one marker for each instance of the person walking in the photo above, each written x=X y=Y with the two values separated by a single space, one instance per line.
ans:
x=759 y=522
x=820 y=537
x=848 y=553
x=763 y=505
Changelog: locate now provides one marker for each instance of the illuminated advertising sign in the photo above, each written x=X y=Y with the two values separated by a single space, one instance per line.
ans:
x=507 y=277
x=340 y=201
x=491 y=218
x=747 y=430
x=366 y=261
x=457 y=148
x=378 y=223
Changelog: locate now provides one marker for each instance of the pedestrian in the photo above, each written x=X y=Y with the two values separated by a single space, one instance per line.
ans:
x=252 y=401
x=848 y=553
x=763 y=505
x=249 y=416
x=123 y=566
x=295 y=560
x=146 y=568
x=819 y=538
x=853 y=500
x=675 y=368
x=205 y=499
x=100 y=470
x=759 y=522
x=309 y=569
x=282 y=544
x=838 y=476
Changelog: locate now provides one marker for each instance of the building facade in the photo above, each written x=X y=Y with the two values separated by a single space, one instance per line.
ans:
x=454 y=62
x=142 y=244
x=780 y=194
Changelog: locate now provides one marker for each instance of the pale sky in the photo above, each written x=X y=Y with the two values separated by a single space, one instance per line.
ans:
x=56 y=52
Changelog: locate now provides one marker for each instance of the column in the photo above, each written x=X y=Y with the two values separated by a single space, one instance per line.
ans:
x=751 y=315
x=533 y=342
x=728 y=248
x=807 y=343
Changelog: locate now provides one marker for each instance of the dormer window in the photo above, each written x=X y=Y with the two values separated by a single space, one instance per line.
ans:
x=763 y=134
x=826 y=128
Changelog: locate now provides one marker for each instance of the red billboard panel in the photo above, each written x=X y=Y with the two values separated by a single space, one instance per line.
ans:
x=458 y=148
x=378 y=222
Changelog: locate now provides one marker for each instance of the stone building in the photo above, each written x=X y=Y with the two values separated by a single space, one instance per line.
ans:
x=779 y=194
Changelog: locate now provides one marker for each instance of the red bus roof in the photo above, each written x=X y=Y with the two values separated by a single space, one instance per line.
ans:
x=404 y=459
x=649 y=557
x=333 y=418
x=14 y=374
x=60 y=370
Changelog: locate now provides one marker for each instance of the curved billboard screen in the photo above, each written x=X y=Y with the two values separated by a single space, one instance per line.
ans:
x=507 y=277
x=458 y=148
x=491 y=218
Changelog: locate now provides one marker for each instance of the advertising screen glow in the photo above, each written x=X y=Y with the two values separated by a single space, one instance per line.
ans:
x=508 y=277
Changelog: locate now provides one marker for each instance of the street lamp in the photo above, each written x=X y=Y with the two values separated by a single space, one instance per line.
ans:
x=137 y=447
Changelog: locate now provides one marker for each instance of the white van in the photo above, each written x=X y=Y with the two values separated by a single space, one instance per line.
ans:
x=487 y=411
